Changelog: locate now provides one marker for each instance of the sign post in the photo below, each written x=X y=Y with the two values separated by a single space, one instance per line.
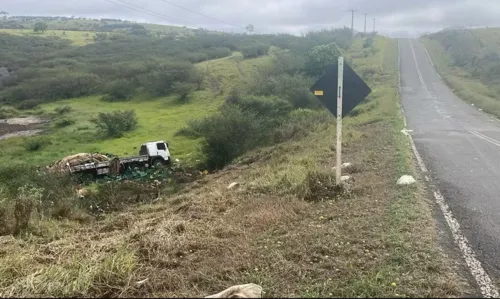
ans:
x=340 y=89
x=340 y=84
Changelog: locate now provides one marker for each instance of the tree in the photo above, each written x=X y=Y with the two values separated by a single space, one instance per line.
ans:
x=320 y=57
x=183 y=89
x=40 y=27
x=250 y=28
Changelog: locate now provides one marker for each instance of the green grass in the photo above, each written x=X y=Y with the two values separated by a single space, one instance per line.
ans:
x=78 y=38
x=463 y=83
x=159 y=119
x=373 y=240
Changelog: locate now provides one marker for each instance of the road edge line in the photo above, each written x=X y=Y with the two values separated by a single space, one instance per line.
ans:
x=483 y=280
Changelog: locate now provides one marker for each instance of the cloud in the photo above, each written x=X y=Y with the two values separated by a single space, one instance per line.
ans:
x=293 y=16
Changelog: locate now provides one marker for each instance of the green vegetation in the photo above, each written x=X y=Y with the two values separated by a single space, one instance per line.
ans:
x=285 y=225
x=116 y=123
x=469 y=61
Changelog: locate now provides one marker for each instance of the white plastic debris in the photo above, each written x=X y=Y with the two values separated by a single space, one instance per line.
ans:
x=406 y=131
x=406 y=180
x=344 y=165
x=140 y=283
x=232 y=185
x=177 y=160
x=240 y=291
x=345 y=178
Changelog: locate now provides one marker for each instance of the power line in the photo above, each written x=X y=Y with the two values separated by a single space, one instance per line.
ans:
x=203 y=15
x=147 y=11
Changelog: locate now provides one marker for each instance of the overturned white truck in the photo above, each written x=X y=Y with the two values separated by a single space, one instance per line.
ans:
x=93 y=165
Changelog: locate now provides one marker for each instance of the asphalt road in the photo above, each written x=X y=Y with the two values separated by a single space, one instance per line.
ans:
x=460 y=147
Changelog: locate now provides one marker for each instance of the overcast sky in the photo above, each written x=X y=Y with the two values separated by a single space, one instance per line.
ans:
x=394 y=17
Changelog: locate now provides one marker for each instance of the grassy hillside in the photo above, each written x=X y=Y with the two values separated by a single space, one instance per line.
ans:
x=285 y=226
x=159 y=119
x=82 y=24
x=469 y=61
x=77 y=38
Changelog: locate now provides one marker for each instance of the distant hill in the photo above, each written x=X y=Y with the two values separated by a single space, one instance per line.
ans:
x=88 y=24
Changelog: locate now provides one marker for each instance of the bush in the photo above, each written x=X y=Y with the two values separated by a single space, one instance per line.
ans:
x=28 y=104
x=63 y=109
x=228 y=134
x=120 y=90
x=115 y=124
x=368 y=42
x=183 y=89
x=34 y=144
x=300 y=123
x=64 y=122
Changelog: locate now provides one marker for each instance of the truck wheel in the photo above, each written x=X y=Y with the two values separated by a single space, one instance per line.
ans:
x=158 y=163
x=135 y=166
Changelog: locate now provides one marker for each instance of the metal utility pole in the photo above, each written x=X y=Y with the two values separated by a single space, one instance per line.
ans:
x=352 y=20
x=365 y=22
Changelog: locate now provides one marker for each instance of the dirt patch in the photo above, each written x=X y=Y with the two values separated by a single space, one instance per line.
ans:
x=15 y=127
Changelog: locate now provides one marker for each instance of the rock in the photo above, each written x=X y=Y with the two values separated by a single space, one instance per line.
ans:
x=406 y=180
x=240 y=291
x=232 y=185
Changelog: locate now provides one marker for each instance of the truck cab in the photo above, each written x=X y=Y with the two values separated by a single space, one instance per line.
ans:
x=157 y=152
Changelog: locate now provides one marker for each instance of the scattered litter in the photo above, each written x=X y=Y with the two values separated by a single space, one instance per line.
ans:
x=140 y=283
x=406 y=131
x=232 y=185
x=344 y=165
x=406 y=180
x=345 y=178
x=240 y=291
x=472 y=105
x=480 y=109
x=177 y=160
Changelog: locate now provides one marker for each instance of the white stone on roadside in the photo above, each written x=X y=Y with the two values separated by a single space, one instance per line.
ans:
x=480 y=109
x=406 y=180
x=232 y=185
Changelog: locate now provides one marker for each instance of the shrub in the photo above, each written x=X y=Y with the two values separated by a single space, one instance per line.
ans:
x=368 y=42
x=28 y=104
x=299 y=123
x=228 y=134
x=115 y=124
x=34 y=144
x=64 y=122
x=183 y=89
x=120 y=90
x=27 y=201
x=63 y=109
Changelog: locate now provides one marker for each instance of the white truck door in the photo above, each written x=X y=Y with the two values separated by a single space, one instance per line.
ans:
x=162 y=150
